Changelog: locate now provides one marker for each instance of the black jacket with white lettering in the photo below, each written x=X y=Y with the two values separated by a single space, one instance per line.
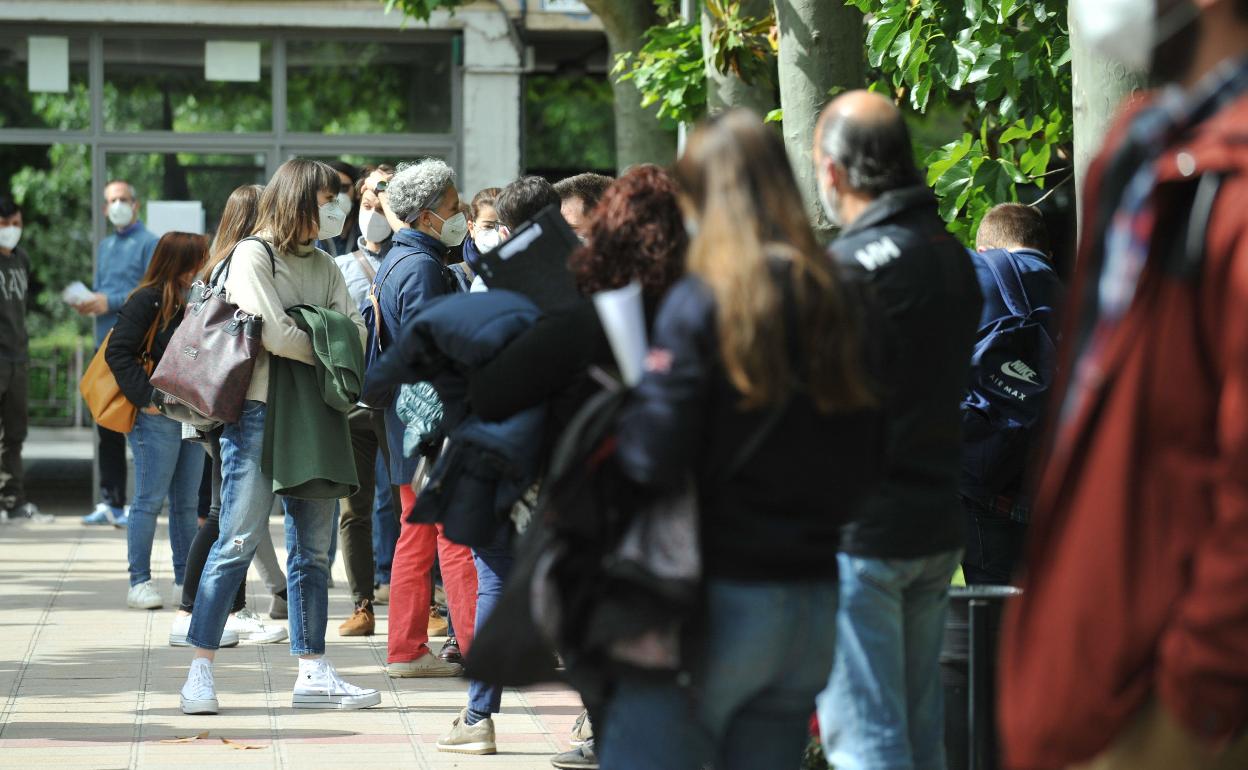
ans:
x=929 y=303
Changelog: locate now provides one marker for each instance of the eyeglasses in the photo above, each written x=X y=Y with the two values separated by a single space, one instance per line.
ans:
x=486 y=224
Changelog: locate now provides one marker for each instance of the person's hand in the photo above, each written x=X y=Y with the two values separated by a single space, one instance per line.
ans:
x=97 y=305
x=150 y=410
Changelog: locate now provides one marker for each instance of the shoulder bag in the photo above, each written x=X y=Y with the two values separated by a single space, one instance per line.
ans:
x=108 y=405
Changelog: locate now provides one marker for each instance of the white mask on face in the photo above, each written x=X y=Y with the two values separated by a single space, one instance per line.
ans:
x=487 y=240
x=453 y=229
x=374 y=225
x=332 y=218
x=120 y=213
x=831 y=206
x=9 y=236
x=1127 y=31
x=344 y=202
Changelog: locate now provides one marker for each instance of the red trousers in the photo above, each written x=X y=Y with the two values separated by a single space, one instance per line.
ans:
x=411 y=589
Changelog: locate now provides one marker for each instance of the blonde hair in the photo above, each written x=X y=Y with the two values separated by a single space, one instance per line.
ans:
x=736 y=174
x=237 y=222
x=289 y=206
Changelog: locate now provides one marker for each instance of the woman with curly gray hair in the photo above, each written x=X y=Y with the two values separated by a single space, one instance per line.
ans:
x=422 y=205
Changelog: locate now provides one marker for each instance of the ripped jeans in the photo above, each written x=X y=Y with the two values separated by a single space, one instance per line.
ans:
x=246 y=498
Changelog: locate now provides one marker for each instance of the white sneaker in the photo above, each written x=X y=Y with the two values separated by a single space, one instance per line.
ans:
x=144 y=596
x=250 y=628
x=199 y=696
x=182 y=626
x=320 y=687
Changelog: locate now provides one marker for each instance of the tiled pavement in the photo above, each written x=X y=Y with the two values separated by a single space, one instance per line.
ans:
x=86 y=682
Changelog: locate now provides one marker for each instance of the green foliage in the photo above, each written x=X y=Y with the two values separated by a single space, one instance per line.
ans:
x=739 y=44
x=1005 y=65
x=419 y=10
x=569 y=123
x=668 y=70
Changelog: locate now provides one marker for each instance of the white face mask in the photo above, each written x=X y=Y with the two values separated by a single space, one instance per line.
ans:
x=332 y=219
x=453 y=229
x=374 y=225
x=487 y=240
x=9 y=236
x=831 y=206
x=120 y=213
x=344 y=202
x=1127 y=31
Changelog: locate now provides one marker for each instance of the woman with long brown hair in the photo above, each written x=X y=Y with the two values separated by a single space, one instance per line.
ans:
x=755 y=386
x=165 y=466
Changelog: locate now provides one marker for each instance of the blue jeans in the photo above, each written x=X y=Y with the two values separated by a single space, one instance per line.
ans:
x=756 y=691
x=246 y=498
x=385 y=523
x=493 y=566
x=883 y=708
x=165 y=466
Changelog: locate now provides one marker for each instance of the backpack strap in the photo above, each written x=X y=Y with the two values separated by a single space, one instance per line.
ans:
x=223 y=269
x=1192 y=243
x=1009 y=281
x=374 y=295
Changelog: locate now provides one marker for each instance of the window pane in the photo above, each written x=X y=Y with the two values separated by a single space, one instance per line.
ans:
x=569 y=125
x=159 y=85
x=19 y=108
x=184 y=176
x=368 y=88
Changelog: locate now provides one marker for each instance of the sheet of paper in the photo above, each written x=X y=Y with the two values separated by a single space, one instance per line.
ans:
x=623 y=318
x=47 y=65
x=75 y=294
x=168 y=216
x=232 y=61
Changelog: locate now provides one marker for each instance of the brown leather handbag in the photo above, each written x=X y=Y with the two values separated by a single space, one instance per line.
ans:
x=108 y=405
x=210 y=359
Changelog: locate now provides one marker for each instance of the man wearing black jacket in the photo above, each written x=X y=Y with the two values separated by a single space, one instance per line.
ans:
x=883 y=704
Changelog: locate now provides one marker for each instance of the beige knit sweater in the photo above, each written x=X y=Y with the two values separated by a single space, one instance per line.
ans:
x=308 y=277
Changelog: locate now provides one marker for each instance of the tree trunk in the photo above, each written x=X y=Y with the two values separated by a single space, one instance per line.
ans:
x=1098 y=88
x=727 y=91
x=639 y=136
x=822 y=45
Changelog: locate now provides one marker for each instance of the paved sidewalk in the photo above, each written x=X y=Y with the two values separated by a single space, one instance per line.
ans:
x=86 y=682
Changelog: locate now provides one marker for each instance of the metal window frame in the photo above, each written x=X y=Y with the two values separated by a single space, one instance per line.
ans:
x=277 y=144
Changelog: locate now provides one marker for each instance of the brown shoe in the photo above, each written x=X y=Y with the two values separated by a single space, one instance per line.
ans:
x=362 y=623
x=437 y=624
x=450 y=652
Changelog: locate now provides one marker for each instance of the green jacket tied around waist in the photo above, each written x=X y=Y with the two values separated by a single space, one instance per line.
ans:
x=307 y=443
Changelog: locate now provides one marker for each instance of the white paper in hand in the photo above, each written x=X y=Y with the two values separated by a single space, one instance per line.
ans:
x=623 y=318
x=76 y=293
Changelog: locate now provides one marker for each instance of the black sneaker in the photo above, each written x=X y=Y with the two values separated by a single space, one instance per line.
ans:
x=580 y=758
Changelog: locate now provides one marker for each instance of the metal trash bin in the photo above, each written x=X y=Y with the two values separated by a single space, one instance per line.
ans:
x=968 y=662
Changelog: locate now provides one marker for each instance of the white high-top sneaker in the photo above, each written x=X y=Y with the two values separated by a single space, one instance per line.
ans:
x=181 y=626
x=250 y=628
x=320 y=687
x=199 y=695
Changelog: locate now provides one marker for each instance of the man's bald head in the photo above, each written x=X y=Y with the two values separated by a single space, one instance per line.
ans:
x=865 y=135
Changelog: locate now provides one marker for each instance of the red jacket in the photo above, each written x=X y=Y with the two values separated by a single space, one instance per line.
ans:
x=1137 y=583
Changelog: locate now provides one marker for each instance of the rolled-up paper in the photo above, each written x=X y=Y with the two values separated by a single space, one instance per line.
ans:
x=76 y=293
x=623 y=319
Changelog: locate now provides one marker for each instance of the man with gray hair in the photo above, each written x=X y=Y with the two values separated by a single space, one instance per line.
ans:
x=119 y=266
x=899 y=551
x=422 y=206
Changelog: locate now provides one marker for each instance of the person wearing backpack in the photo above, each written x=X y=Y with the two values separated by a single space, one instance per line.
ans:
x=421 y=204
x=1012 y=368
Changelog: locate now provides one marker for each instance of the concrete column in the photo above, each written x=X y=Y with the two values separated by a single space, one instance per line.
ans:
x=492 y=108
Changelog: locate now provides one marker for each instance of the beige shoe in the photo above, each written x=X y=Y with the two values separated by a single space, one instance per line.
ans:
x=424 y=666
x=582 y=731
x=462 y=739
x=437 y=624
x=362 y=623
x=381 y=594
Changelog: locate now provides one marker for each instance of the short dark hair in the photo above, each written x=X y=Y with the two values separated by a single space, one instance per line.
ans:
x=524 y=199
x=1013 y=225
x=8 y=207
x=589 y=187
x=875 y=152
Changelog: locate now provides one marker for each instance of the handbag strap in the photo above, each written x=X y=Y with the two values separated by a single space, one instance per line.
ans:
x=223 y=269
x=364 y=265
x=755 y=441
